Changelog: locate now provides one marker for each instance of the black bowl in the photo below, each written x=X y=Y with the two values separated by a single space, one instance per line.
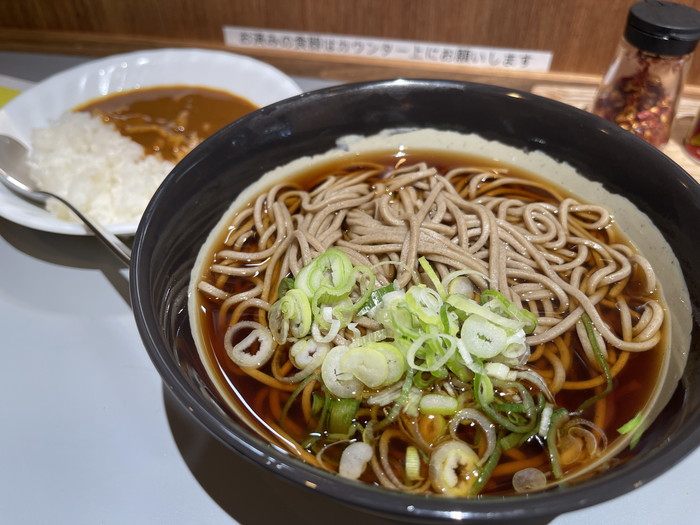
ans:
x=202 y=186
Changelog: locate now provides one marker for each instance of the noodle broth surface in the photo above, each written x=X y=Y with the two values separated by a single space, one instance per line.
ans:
x=270 y=412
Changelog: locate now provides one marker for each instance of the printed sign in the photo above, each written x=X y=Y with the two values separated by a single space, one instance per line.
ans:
x=383 y=49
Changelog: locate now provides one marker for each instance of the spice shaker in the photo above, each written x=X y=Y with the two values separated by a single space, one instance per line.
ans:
x=642 y=87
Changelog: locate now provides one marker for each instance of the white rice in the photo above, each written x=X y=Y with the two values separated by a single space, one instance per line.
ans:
x=104 y=174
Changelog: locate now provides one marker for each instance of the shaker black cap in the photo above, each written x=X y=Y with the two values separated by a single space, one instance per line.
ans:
x=664 y=28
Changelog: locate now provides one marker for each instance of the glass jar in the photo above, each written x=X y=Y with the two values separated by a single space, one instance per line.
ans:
x=642 y=87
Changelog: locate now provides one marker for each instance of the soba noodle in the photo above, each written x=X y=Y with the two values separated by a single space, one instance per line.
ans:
x=433 y=328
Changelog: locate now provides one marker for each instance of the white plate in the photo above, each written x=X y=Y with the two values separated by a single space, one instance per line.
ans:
x=251 y=79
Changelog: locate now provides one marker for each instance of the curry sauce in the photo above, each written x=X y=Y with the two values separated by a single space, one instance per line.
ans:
x=169 y=121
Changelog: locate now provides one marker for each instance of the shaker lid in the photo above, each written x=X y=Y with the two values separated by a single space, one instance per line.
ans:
x=664 y=28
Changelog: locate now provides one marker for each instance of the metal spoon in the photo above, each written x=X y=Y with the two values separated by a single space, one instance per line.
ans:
x=14 y=173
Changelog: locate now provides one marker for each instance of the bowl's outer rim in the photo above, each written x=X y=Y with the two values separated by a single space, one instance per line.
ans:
x=542 y=505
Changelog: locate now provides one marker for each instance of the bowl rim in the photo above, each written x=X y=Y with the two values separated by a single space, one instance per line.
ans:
x=395 y=504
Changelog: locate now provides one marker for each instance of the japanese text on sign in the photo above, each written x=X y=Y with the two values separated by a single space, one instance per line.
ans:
x=376 y=48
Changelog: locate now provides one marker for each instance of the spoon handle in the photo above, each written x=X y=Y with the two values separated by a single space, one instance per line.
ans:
x=110 y=240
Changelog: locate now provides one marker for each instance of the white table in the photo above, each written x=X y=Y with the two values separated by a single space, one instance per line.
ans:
x=88 y=435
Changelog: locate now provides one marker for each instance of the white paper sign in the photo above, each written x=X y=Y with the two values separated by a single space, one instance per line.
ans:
x=387 y=49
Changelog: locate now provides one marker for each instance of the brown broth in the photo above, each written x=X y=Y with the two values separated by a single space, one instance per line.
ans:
x=171 y=120
x=633 y=386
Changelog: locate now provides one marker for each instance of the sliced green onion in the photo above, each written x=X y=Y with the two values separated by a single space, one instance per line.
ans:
x=410 y=405
x=423 y=380
x=432 y=427
x=339 y=384
x=288 y=404
x=395 y=359
x=412 y=464
x=545 y=420
x=516 y=348
x=393 y=313
x=327 y=398
x=500 y=371
x=439 y=404
x=367 y=364
x=440 y=373
x=449 y=320
x=329 y=323
x=364 y=278
x=327 y=312
x=631 y=425
x=254 y=350
x=559 y=417
x=385 y=396
x=483 y=338
x=369 y=337
x=636 y=426
x=310 y=441
x=432 y=276
x=290 y=316
x=341 y=415
x=326 y=284
x=458 y=282
x=425 y=304
x=453 y=468
x=485 y=472
x=541 y=402
x=480 y=419
x=496 y=301
x=402 y=323
x=483 y=389
x=402 y=403
x=431 y=352
x=468 y=306
x=285 y=285
x=354 y=459
x=459 y=369
x=330 y=273
x=529 y=479
x=526 y=400
x=511 y=440
x=307 y=355
x=375 y=298
x=510 y=407
x=590 y=332
x=318 y=400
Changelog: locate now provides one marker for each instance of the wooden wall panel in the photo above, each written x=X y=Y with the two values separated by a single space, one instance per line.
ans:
x=582 y=34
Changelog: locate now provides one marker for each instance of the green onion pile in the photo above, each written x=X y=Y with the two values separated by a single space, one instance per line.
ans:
x=446 y=363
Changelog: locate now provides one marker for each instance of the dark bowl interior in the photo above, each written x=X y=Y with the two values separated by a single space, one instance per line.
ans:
x=203 y=185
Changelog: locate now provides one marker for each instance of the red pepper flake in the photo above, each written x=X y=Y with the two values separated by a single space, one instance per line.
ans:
x=639 y=103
